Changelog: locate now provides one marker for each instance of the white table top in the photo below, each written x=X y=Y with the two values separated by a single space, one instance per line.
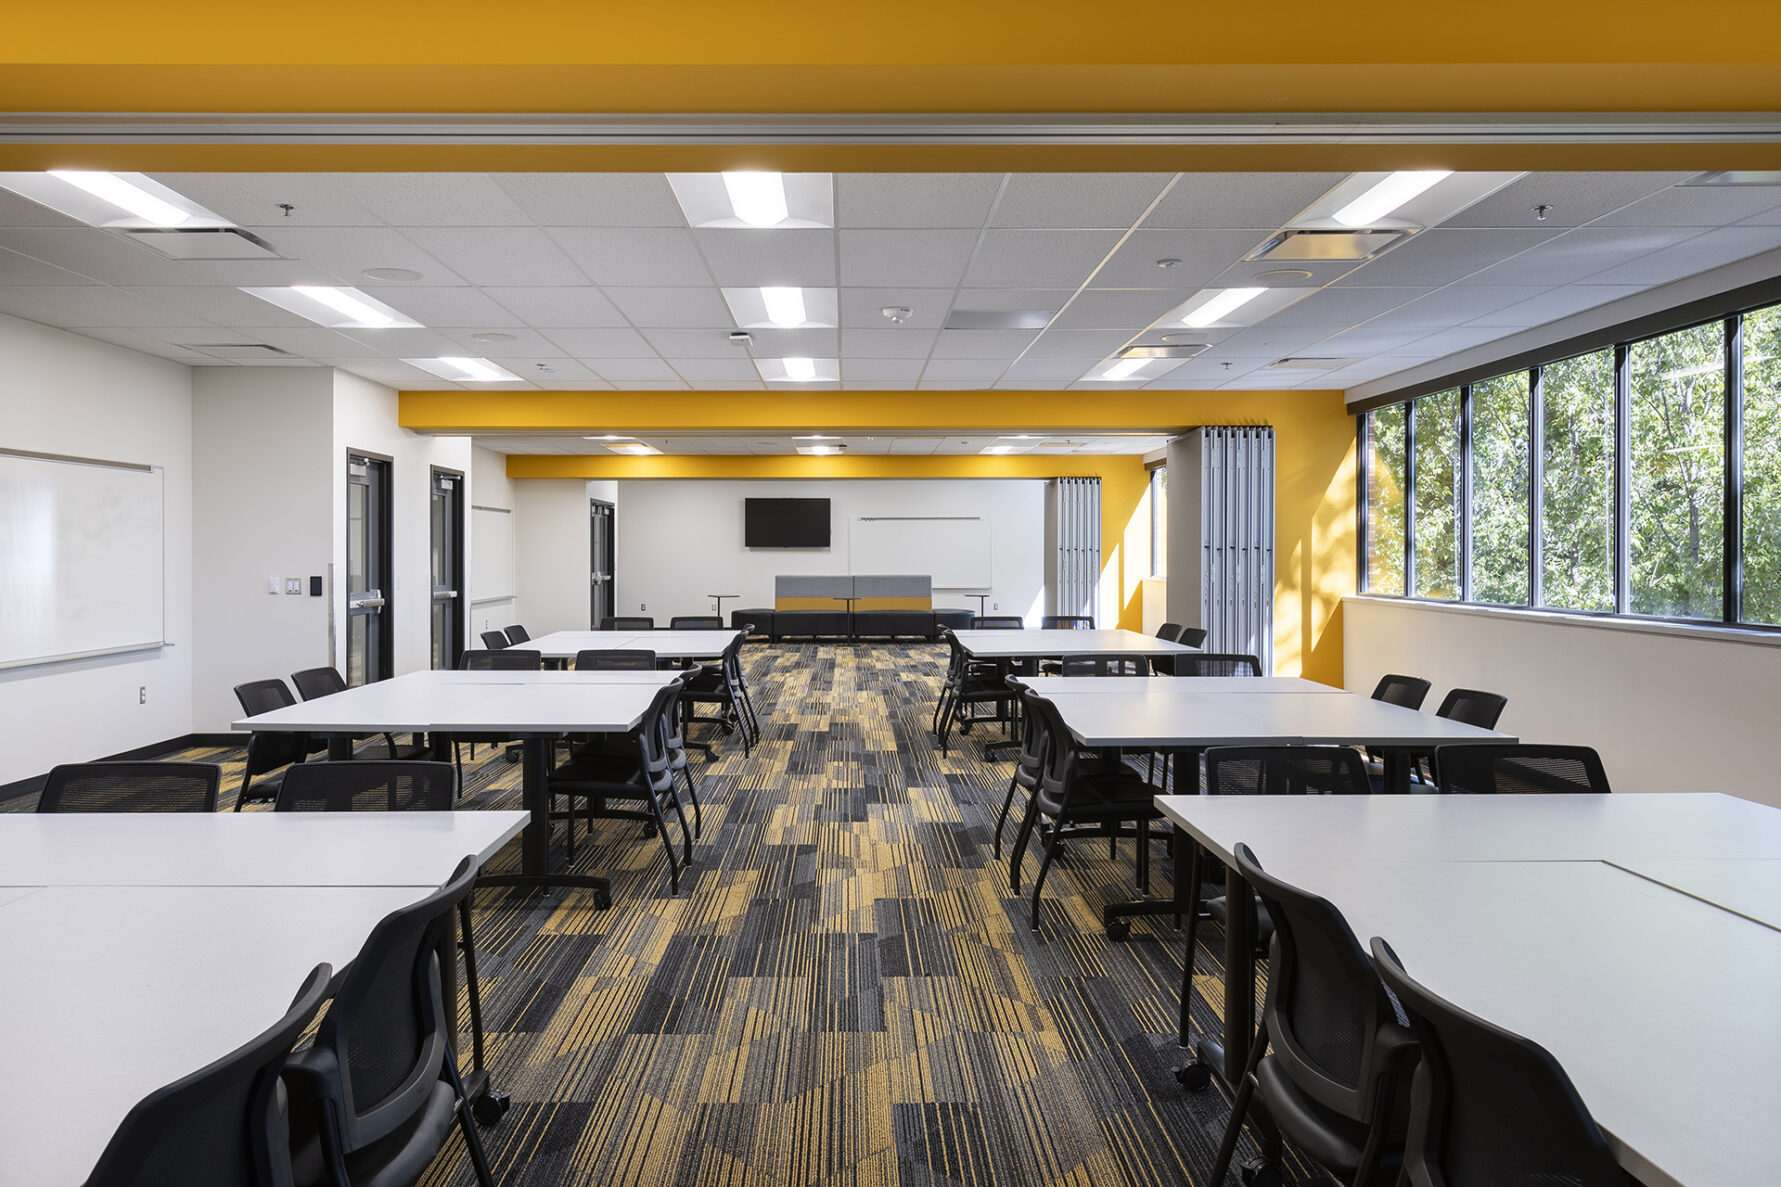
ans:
x=108 y=993
x=523 y=702
x=1659 y=1007
x=247 y=848
x=1750 y=887
x=1051 y=686
x=653 y=677
x=1180 y=714
x=666 y=644
x=1051 y=644
x=606 y=707
x=1456 y=828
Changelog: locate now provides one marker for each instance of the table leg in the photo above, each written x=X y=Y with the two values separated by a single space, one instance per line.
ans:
x=1396 y=772
x=1114 y=915
x=1239 y=982
x=535 y=841
x=339 y=747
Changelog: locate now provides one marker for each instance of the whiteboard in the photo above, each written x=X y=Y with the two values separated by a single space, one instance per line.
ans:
x=81 y=546
x=954 y=551
x=493 y=564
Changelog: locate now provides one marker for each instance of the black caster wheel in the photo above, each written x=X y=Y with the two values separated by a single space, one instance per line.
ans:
x=1260 y=1174
x=602 y=900
x=1118 y=929
x=1195 y=1077
x=490 y=1107
x=512 y=757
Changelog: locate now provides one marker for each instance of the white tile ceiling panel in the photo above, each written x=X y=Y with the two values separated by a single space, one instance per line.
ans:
x=152 y=342
x=1008 y=300
x=404 y=343
x=954 y=385
x=1089 y=346
x=915 y=445
x=1458 y=304
x=1704 y=251
x=594 y=199
x=525 y=344
x=1077 y=199
x=1244 y=273
x=976 y=370
x=499 y=255
x=673 y=308
x=696 y=344
x=1438 y=256
x=780 y=344
x=914 y=200
x=558 y=308
x=1038 y=259
x=864 y=307
x=620 y=371
x=17 y=211
x=92 y=305
x=1239 y=199
x=634 y=255
x=1554 y=304
x=1046 y=372
x=347 y=251
x=1446 y=342
x=920 y=259
x=602 y=343
x=1696 y=206
x=894 y=342
x=1575 y=198
x=1341 y=307
x=857 y=371
x=1203 y=255
x=18 y=269
x=1004 y=345
x=587 y=383
x=253 y=199
x=549 y=372
x=1580 y=254
x=1269 y=342
x=1371 y=340
x=725 y=369
x=1768 y=218
x=432 y=199
x=311 y=342
x=457 y=306
x=100 y=255
x=261 y=273
x=658 y=385
x=1113 y=309
x=751 y=257
x=389 y=371
x=1200 y=373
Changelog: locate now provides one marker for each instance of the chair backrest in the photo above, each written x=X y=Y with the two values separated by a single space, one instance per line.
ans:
x=1104 y=665
x=1192 y=636
x=1489 y=768
x=1169 y=632
x=654 y=732
x=1473 y=707
x=1407 y=691
x=1325 y=1008
x=385 y=1031
x=1489 y=1106
x=1066 y=622
x=494 y=640
x=318 y=682
x=1212 y=663
x=998 y=623
x=1285 y=770
x=628 y=624
x=220 y=1125
x=611 y=659
x=695 y=622
x=517 y=634
x=509 y=660
x=131 y=787
x=374 y=786
x=1057 y=776
x=270 y=749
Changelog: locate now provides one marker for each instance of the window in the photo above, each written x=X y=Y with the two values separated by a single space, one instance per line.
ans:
x=1577 y=483
x=1762 y=466
x=1385 y=500
x=1501 y=487
x=1159 y=521
x=1437 y=516
x=1676 y=387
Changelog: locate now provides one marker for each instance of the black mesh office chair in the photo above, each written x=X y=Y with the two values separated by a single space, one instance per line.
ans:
x=720 y=684
x=695 y=622
x=628 y=624
x=517 y=634
x=1066 y=622
x=314 y=683
x=221 y=1125
x=1029 y=765
x=510 y=659
x=1104 y=665
x=131 y=787
x=1331 y=1063
x=998 y=622
x=1469 y=706
x=1500 y=769
x=615 y=659
x=1488 y=1106
x=268 y=750
x=1192 y=636
x=494 y=640
x=375 y=1097
x=1407 y=691
x=1170 y=632
x=970 y=682
x=1210 y=663
x=375 y=786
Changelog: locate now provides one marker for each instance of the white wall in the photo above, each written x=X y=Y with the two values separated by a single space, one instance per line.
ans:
x=681 y=539
x=494 y=556
x=1670 y=709
x=66 y=394
x=552 y=545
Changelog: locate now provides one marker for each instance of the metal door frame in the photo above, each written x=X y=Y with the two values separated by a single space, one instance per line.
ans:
x=593 y=513
x=457 y=615
x=380 y=525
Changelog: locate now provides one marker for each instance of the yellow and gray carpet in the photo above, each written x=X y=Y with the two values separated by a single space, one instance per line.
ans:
x=845 y=991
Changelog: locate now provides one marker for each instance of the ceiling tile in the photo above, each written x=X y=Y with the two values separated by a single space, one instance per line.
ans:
x=458 y=306
x=898 y=342
x=1090 y=346
x=626 y=371
x=1450 y=341
x=499 y=255
x=914 y=445
x=976 y=370
x=812 y=343
x=955 y=385
x=162 y=343
x=864 y=307
x=1711 y=249
x=605 y=343
x=554 y=308
x=1012 y=300
x=225 y=306
x=1203 y=255
x=100 y=255
x=1554 y=304
x=1270 y=342
x=347 y=251
x=1206 y=374
x=575 y=383
x=1579 y=254
x=76 y=307
x=311 y=342
x=431 y=199
x=594 y=199
x=1342 y=306
x=1038 y=259
x=914 y=200
x=1077 y=199
x=931 y=259
x=634 y=255
x=17 y=269
x=1574 y=198
x=1115 y=309
x=18 y=211
x=1044 y=371
x=1695 y=206
x=1239 y=199
x=404 y=343
x=854 y=371
x=552 y=371
x=673 y=308
x=742 y=257
x=726 y=370
x=526 y=344
x=1442 y=255
x=256 y=199
x=982 y=344
x=1455 y=305
x=696 y=344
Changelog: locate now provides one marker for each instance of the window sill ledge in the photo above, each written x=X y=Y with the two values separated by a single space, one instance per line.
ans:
x=1548 y=617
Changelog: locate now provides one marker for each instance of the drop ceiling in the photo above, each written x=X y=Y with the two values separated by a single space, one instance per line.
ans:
x=908 y=444
x=598 y=282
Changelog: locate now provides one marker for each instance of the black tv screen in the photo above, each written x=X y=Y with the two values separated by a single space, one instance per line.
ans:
x=785 y=523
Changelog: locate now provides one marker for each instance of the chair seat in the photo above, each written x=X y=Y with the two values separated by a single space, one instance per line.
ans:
x=1219 y=910
x=1115 y=797
x=397 y=1160
x=1331 y=1140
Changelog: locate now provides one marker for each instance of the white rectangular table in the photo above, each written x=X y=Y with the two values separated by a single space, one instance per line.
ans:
x=1052 y=686
x=1054 y=643
x=560 y=645
x=1749 y=887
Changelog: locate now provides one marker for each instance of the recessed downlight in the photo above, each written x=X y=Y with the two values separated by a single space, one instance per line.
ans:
x=495 y=336
x=1284 y=274
x=392 y=274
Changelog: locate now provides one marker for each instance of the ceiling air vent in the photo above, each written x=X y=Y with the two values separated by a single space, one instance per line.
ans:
x=1307 y=364
x=1300 y=244
x=1174 y=350
x=999 y=319
x=240 y=351
x=205 y=243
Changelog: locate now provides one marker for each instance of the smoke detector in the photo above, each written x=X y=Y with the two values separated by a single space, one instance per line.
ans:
x=897 y=314
x=740 y=337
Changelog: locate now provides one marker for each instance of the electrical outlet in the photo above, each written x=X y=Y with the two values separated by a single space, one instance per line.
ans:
x=642 y=605
x=293 y=585
x=995 y=605
x=142 y=695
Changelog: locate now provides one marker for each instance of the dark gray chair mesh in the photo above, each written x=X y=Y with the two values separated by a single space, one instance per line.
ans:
x=615 y=660
x=1104 y=665
x=1473 y=707
x=1407 y=691
x=1192 y=636
x=367 y=787
x=517 y=634
x=1209 y=663
x=215 y=1126
x=1490 y=769
x=510 y=660
x=1491 y=1107
x=313 y=683
x=628 y=624
x=494 y=640
x=998 y=623
x=267 y=750
x=1066 y=622
x=1170 y=632
x=131 y=787
x=696 y=622
x=1285 y=770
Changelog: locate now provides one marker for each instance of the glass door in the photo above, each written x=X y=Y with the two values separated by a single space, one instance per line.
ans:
x=368 y=651
x=447 y=568
x=600 y=576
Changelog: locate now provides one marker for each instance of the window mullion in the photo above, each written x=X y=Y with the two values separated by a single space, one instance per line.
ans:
x=1465 y=493
x=1364 y=486
x=1734 y=469
x=1536 y=481
x=1623 y=450
x=1410 y=498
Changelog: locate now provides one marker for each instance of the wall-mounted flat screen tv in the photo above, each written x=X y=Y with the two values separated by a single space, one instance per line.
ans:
x=785 y=523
